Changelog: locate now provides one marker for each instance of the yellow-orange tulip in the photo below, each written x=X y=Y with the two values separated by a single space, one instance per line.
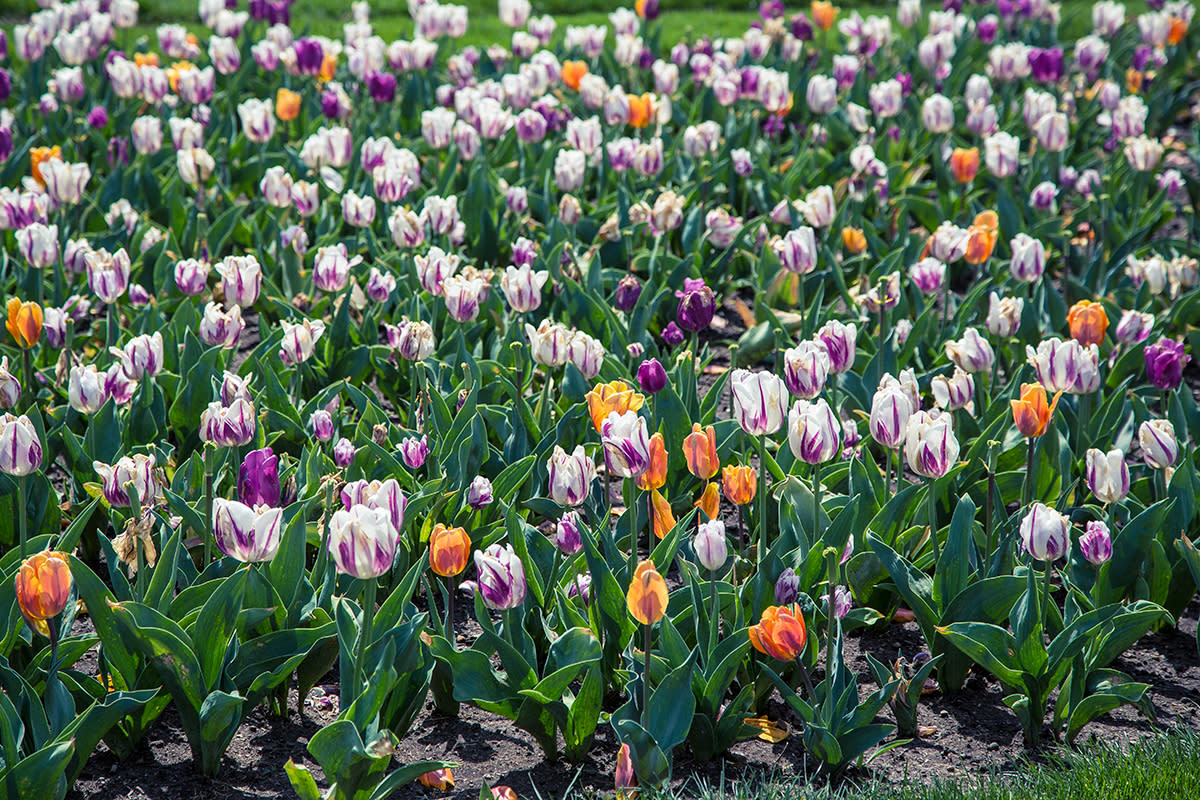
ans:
x=823 y=14
x=1032 y=413
x=988 y=219
x=710 y=501
x=780 y=633
x=39 y=156
x=664 y=520
x=964 y=164
x=573 y=72
x=24 y=322
x=328 y=67
x=43 y=587
x=1088 y=322
x=647 y=596
x=641 y=110
x=449 y=549
x=1133 y=80
x=700 y=450
x=145 y=59
x=656 y=475
x=981 y=241
x=437 y=779
x=606 y=398
x=740 y=484
x=287 y=104
x=854 y=240
x=1177 y=31
x=173 y=73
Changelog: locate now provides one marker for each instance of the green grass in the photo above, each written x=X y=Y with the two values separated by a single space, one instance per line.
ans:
x=1165 y=766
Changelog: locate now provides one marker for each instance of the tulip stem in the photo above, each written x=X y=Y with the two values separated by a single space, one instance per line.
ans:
x=762 y=497
x=931 y=503
x=543 y=412
x=646 y=677
x=715 y=622
x=450 y=613
x=1081 y=413
x=816 y=489
x=887 y=473
x=23 y=516
x=812 y=695
x=30 y=389
x=208 y=507
x=1046 y=594
x=1027 y=492
x=364 y=637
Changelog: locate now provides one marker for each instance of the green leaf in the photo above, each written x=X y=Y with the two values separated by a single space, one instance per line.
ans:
x=217 y=623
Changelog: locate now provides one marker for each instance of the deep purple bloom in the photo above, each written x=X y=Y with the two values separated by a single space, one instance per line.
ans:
x=905 y=79
x=987 y=29
x=382 y=86
x=650 y=10
x=330 y=106
x=5 y=84
x=672 y=335
x=1165 y=360
x=309 y=55
x=651 y=376
x=1046 y=65
x=6 y=143
x=787 y=588
x=97 y=117
x=118 y=151
x=258 y=479
x=770 y=9
x=629 y=289
x=696 y=305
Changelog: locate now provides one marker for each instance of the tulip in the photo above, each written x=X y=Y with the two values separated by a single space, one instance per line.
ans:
x=647 y=595
x=854 y=240
x=414 y=451
x=626 y=444
x=823 y=15
x=20 y=447
x=137 y=470
x=523 y=287
x=1028 y=258
x=655 y=475
x=570 y=476
x=10 y=387
x=321 y=423
x=1160 y=448
x=299 y=340
x=797 y=251
x=24 y=322
x=1088 y=322
x=629 y=289
x=1031 y=414
x=1165 y=360
x=501 y=577
x=287 y=104
x=954 y=392
x=38 y=244
x=228 y=426
x=441 y=779
x=624 y=777
x=1057 y=363
x=85 y=390
x=479 y=493
x=709 y=544
x=1106 y=474
x=964 y=164
x=651 y=376
x=891 y=408
x=191 y=276
x=548 y=343
x=258 y=480
x=697 y=305
x=1096 y=544
x=700 y=451
x=814 y=432
x=362 y=541
x=787 y=587
x=142 y=356
x=614 y=397
x=842 y=601
x=981 y=241
x=759 y=401
x=928 y=275
x=662 y=517
x=568 y=537
x=43 y=587
x=241 y=279
x=246 y=533
x=930 y=444
x=806 y=368
x=1045 y=533
x=1134 y=327
x=972 y=353
x=449 y=550
x=709 y=501
x=377 y=494
x=739 y=484
x=780 y=633
x=840 y=344
x=1004 y=316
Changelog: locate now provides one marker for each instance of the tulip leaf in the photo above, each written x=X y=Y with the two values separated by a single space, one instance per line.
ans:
x=672 y=705
x=990 y=646
x=302 y=780
x=954 y=569
x=97 y=597
x=217 y=623
x=914 y=585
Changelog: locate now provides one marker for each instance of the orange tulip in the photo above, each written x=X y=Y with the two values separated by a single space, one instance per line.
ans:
x=710 y=501
x=145 y=59
x=504 y=793
x=43 y=587
x=437 y=779
x=573 y=72
x=1088 y=322
x=1177 y=31
x=700 y=450
x=780 y=633
x=641 y=110
x=647 y=597
x=964 y=164
x=39 y=156
x=287 y=104
x=664 y=520
x=854 y=240
x=740 y=484
x=823 y=14
x=1031 y=413
x=1133 y=80
x=449 y=549
x=981 y=241
x=656 y=475
x=616 y=396
x=24 y=322
x=988 y=219
x=328 y=68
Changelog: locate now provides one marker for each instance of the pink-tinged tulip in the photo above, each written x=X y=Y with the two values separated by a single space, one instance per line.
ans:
x=624 y=777
x=1045 y=533
x=228 y=426
x=548 y=343
x=1004 y=316
x=954 y=392
x=501 y=577
x=1028 y=258
x=1057 y=363
x=191 y=276
x=377 y=494
x=479 y=493
x=585 y=353
x=571 y=476
x=1160 y=448
x=567 y=536
x=1107 y=475
x=797 y=251
x=276 y=187
x=434 y=268
x=840 y=342
x=626 y=444
x=806 y=368
x=244 y=533
x=138 y=470
x=842 y=601
x=928 y=275
x=930 y=445
x=108 y=273
x=759 y=401
x=891 y=408
x=971 y=353
x=1165 y=360
x=380 y=285
x=85 y=390
x=321 y=423
x=523 y=288
x=20 y=447
x=1096 y=544
x=362 y=541
x=814 y=432
x=343 y=453
x=235 y=387
x=710 y=546
x=142 y=356
x=241 y=279
x=299 y=340
x=414 y=451
x=1134 y=327
x=331 y=269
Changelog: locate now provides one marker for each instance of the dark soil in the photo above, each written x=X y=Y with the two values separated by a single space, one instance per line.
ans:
x=974 y=733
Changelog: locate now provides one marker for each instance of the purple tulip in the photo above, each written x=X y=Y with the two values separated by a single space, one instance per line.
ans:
x=651 y=376
x=787 y=588
x=1046 y=65
x=1165 y=361
x=414 y=451
x=343 y=452
x=1096 y=544
x=258 y=479
x=696 y=305
x=97 y=117
x=479 y=493
x=309 y=55
x=567 y=537
x=628 y=291
x=382 y=86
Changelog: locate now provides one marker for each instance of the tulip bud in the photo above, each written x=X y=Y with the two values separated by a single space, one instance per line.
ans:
x=656 y=473
x=624 y=777
x=1028 y=258
x=890 y=411
x=571 y=476
x=1106 y=474
x=1165 y=360
x=797 y=251
x=954 y=392
x=449 y=549
x=1134 y=327
x=1088 y=322
x=479 y=493
x=651 y=376
x=805 y=369
x=700 y=451
x=964 y=164
x=567 y=536
x=20 y=448
x=697 y=305
x=647 y=595
x=930 y=444
x=85 y=390
x=142 y=356
x=362 y=541
x=629 y=289
x=241 y=279
x=840 y=344
x=43 y=587
x=1004 y=316
x=258 y=479
x=343 y=453
x=414 y=451
x=787 y=587
x=24 y=322
x=1096 y=544
x=1160 y=448
x=548 y=343
x=247 y=534
x=501 y=577
x=10 y=387
x=1044 y=533
x=814 y=433
x=709 y=544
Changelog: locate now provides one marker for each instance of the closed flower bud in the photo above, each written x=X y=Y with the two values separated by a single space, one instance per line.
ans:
x=567 y=536
x=20 y=447
x=964 y=164
x=709 y=501
x=930 y=445
x=479 y=493
x=1160 y=448
x=24 y=322
x=1134 y=327
x=191 y=276
x=1028 y=258
x=321 y=423
x=891 y=408
x=759 y=401
x=1088 y=322
x=842 y=601
x=1045 y=533
x=662 y=516
x=651 y=376
x=814 y=433
x=697 y=306
x=700 y=451
x=85 y=390
x=501 y=577
x=972 y=353
x=247 y=534
x=787 y=587
x=10 y=387
x=629 y=289
x=241 y=279
x=1165 y=361
x=1096 y=544
x=840 y=344
x=1106 y=474
x=414 y=451
x=570 y=476
x=806 y=368
x=1004 y=316
x=647 y=595
x=43 y=587
x=449 y=550
x=740 y=484
x=710 y=546
x=258 y=479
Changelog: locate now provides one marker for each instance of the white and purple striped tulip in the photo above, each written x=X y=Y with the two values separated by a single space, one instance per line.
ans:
x=362 y=541
x=501 y=577
x=246 y=534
